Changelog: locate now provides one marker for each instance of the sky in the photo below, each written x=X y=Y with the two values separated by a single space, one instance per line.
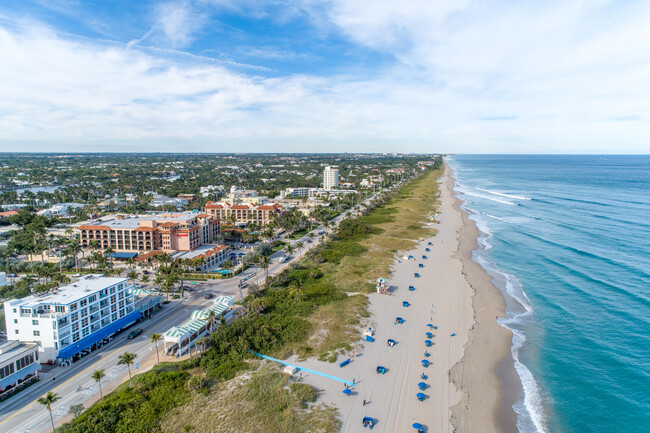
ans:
x=451 y=76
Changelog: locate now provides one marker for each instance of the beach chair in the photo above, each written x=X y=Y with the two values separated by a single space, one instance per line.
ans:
x=390 y=342
x=411 y=288
x=399 y=320
x=405 y=304
x=427 y=249
x=421 y=265
x=344 y=363
x=368 y=422
x=417 y=275
x=381 y=370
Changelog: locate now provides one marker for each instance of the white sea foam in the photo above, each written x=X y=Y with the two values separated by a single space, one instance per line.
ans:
x=530 y=410
x=516 y=197
x=469 y=192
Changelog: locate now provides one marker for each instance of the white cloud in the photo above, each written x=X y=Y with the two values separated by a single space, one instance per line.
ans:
x=467 y=77
x=175 y=25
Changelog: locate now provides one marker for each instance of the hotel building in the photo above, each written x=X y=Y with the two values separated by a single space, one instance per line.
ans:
x=167 y=232
x=72 y=320
x=244 y=212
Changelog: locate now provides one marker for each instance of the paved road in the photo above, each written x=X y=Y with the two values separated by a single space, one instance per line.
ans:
x=22 y=413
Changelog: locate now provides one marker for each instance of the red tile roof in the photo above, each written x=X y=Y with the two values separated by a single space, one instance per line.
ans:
x=93 y=227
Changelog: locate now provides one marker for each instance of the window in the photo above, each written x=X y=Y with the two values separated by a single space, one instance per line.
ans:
x=114 y=317
x=15 y=320
x=86 y=331
x=112 y=290
x=75 y=327
x=92 y=298
x=73 y=307
x=83 y=302
x=74 y=317
x=121 y=295
x=59 y=309
x=6 y=371
x=84 y=312
x=37 y=333
x=17 y=331
x=75 y=337
x=84 y=322
x=122 y=313
x=113 y=308
x=35 y=322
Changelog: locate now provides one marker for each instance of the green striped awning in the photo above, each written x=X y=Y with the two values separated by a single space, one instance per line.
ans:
x=198 y=314
x=226 y=300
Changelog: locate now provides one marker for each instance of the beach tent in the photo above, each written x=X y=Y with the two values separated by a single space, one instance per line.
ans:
x=421 y=396
x=422 y=386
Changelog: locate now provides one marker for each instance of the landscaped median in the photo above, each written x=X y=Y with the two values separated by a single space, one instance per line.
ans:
x=310 y=309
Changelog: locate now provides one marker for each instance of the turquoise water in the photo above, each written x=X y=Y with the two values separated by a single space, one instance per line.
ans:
x=568 y=241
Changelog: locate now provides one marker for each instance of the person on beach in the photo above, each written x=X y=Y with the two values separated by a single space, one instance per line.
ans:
x=364 y=401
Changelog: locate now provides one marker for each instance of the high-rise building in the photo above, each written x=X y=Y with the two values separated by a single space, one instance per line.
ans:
x=331 y=177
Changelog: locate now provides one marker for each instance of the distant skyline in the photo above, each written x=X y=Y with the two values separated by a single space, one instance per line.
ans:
x=450 y=76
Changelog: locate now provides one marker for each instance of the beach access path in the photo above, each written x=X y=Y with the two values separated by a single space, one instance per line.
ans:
x=441 y=297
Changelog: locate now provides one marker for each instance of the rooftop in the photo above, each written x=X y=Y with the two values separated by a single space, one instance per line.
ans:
x=70 y=293
x=133 y=222
x=12 y=349
x=199 y=251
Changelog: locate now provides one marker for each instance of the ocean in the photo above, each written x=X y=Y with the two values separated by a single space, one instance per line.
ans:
x=568 y=241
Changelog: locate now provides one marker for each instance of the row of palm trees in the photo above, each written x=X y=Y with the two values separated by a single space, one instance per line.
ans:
x=127 y=358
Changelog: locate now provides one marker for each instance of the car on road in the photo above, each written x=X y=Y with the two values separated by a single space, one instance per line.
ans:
x=209 y=296
x=135 y=333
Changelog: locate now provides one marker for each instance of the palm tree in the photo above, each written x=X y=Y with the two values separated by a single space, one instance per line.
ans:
x=48 y=400
x=108 y=251
x=98 y=375
x=299 y=246
x=133 y=275
x=155 y=338
x=289 y=249
x=264 y=264
x=211 y=316
x=127 y=358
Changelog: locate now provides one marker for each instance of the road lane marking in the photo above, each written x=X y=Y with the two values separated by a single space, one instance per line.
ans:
x=92 y=365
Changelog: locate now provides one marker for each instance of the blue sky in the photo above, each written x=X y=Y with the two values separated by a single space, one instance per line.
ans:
x=458 y=76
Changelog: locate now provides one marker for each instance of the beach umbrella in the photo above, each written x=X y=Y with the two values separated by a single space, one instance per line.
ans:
x=417 y=425
x=420 y=396
x=347 y=391
x=429 y=325
x=422 y=385
x=429 y=335
x=428 y=342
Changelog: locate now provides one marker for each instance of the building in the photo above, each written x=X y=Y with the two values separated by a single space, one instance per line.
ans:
x=299 y=192
x=331 y=177
x=163 y=200
x=8 y=214
x=244 y=213
x=73 y=320
x=61 y=209
x=18 y=364
x=188 y=197
x=180 y=339
x=166 y=232
x=206 y=256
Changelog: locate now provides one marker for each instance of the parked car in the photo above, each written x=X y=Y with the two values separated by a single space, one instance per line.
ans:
x=135 y=333
x=209 y=296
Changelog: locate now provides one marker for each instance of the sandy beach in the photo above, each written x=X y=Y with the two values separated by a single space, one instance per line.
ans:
x=463 y=389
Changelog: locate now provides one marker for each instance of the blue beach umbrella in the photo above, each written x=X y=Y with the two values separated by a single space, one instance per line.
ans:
x=429 y=335
x=428 y=343
x=347 y=391
x=420 y=396
x=422 y=386
x=417 y=425
x=430 y=325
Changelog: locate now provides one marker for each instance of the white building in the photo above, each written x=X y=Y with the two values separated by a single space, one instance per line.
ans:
x=72 y=320
x=18 y=363
x=163 y=200
x=3 y=279
x=299 y=192
x=61 y=209
x=331 y=177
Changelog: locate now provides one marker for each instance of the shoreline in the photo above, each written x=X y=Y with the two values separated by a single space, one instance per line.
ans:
x=485 y=375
